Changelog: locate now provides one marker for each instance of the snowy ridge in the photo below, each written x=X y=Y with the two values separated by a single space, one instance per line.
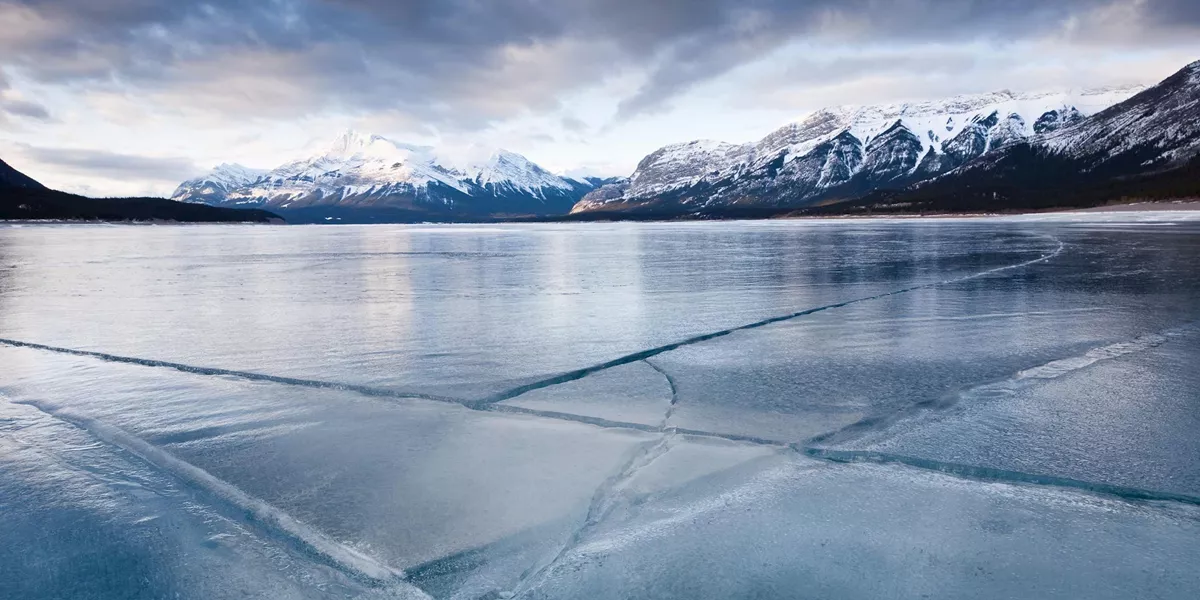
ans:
x=842 y=147
x=1165 y=121
x=687 y=164
x=358 y=170
x=510 y=169
x=1146 y=147
x=354 y=164
x=233 y=175
x=223 y=179
x=935 y=122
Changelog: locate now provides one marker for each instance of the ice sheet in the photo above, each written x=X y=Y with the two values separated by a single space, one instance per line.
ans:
x=403 y=482
x=791 y=528
x=666 y=410
x=1123 y=415
x=83 y=519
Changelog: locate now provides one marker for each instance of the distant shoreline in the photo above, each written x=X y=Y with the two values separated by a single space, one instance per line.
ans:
x=1188 y=205
x=1149 y=206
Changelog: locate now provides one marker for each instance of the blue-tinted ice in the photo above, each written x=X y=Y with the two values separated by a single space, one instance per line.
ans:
x=917 y=408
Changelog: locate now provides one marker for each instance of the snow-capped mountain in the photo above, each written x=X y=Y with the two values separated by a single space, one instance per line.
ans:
x=846 y=151
x=1157 y=128
x=392 y=181
x=1147 y=147
x=506 y=171
x=215 y=186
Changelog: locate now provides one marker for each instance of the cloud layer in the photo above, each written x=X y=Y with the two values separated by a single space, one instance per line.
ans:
x=463 y=63
x=12 y=105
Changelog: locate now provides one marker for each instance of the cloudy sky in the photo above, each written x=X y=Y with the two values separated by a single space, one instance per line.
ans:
x=132 y=96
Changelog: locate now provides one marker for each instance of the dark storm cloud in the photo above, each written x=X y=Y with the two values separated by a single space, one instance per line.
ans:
x=111 y=164
x=470 y=61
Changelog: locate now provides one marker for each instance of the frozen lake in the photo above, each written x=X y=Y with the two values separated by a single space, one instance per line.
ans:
x=941 y=408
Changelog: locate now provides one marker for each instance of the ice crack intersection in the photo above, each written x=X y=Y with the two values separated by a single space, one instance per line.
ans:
x=607 y=497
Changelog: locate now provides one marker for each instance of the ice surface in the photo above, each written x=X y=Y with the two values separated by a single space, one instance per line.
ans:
x=404 y=481
x=461 y=311
x=785 y=527
x=83 y=519
x=951 y=408
x=634 y=392
x=1108 y=417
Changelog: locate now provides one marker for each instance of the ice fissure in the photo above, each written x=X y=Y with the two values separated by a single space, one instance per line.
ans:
x=608 y=495
x=259 y=512
x=991 y=474
x=642 y=355
x=1010 y=385
x=248 y=375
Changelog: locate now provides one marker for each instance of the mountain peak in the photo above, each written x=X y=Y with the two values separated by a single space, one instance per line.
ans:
x=231 y=174
x=1193 y=73
x=235 y=168
x=501 y=155
x=507 y=168
x=351 y=142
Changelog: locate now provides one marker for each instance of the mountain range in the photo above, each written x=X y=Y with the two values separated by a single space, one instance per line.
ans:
x=364 y=178
x=931 y=155
x=983 y=152
x=989 y=152
x=844 y=152
x=1146 y=148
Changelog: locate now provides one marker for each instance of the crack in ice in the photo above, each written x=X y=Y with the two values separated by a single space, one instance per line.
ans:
x=1007 y=386
x=484 y=404
x=674 y=393
x=607 y=497
x=247 y=375
x=991 y=474
x=604 y=501
x=642 y=355
x=491 y=404
x=260 y=512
